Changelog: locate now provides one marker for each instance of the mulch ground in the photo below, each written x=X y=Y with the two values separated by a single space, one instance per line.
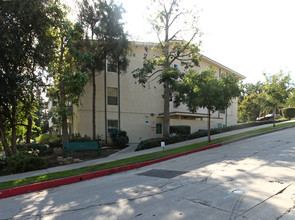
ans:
x=82 y=155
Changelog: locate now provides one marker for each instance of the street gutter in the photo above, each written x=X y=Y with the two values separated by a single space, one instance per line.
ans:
x=6 y=193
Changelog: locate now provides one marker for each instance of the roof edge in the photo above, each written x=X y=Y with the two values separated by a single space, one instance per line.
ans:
x=141 y=43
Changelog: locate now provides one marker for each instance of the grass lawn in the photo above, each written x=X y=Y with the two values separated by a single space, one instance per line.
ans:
x=131 y=160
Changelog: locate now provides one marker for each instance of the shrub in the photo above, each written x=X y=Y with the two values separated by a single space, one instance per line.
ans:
x=120 y=138
x=40 y=149
x=156 y=142
x=3 y=162
x=289 y=113
x=54 y=141
x=180 y=129
x=77 y=138
x=24 y=161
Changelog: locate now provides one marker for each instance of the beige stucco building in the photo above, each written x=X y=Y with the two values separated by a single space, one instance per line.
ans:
x=138 y=109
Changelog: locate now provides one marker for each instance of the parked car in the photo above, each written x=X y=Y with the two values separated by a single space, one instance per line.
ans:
x=267 y=117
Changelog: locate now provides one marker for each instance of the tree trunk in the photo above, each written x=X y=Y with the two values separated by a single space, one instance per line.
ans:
x=13 y=129
x=209 y=126
x=93 y=105
x=4 y=140
x=274 y=116
x=29 y=129
x=64 y=118
x=166 y=125
x=62 y=98
x=30 y=118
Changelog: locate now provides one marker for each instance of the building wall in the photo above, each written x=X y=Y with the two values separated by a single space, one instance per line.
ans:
x=141 y=106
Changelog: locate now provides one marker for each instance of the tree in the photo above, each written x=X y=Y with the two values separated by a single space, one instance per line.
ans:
x=291 y=100
x=251 y=107
x=26 y=45
x=277 y=89
x=173 y=46
x=249 y=89
x=69 y=81
x=205 y=90
x=250 y=101
x=107 y=40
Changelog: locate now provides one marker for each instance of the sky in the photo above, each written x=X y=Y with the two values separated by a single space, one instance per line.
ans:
x=249 y=36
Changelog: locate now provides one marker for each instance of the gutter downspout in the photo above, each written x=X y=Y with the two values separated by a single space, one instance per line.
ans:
x=225 y=117
x=105 y=102
x=119 y=102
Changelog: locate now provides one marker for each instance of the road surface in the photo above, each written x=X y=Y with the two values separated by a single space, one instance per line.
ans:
x=250 y=179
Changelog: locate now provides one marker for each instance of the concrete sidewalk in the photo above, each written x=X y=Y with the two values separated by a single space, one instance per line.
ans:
x=125 y=153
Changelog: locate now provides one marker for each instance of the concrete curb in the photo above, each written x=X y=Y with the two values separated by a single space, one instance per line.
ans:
x=255 y=135
x=78 y=178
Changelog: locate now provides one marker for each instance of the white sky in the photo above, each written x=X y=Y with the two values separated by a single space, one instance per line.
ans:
x=248 y=36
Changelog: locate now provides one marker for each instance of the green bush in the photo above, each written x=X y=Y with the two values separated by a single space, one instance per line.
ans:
x=156 y=142
x=180 y=129
x=40 y=149
x=3 y=162
x=119 y=138
x=77 y=138
x=54 y=141
x=24 y=161
x=289 y=113
x=114 y=133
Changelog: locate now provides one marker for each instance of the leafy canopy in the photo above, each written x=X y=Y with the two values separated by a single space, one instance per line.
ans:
x=205 y=90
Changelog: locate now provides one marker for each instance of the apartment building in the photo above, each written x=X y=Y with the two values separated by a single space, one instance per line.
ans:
x=123 y=103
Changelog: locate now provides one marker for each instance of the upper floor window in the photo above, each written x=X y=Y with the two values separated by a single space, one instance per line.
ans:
x=112 y=96
x=222 y=111
x=112 y=67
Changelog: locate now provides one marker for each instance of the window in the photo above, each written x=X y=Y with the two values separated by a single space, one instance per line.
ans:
x=176 y=66
x=112 y=67
x=112 y=96
x=222 y=111
x=112 y=124
x=158 y=128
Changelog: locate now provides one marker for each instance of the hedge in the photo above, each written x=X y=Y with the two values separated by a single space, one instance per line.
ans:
x=156 y=142
x=180 y=129
x=289 y=113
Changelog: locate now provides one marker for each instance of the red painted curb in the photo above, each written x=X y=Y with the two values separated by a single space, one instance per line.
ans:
x=78 y=178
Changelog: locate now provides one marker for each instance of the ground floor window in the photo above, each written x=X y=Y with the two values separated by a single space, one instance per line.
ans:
x=158 y=128
x=112 y=124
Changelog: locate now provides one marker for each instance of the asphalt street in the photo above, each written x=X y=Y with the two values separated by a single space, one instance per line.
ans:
x=249 y=179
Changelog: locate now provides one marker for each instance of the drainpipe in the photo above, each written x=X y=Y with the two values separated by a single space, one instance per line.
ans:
x=119 y=102
x=105 y=102
x=225 y=117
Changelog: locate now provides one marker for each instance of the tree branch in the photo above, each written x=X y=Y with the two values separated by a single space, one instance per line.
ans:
x=177 y=32
x=154 y=73
x=184 y=48
x=173 y=20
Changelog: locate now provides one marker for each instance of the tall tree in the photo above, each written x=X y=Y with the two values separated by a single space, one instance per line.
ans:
x=291 y=100
x=26 y=44
x=249 y=89
x=250 y=101
x=105 y=39
x=277 y=89
x=251 y=107
x=69 y=81
x=174 y=46
x=205 y=90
